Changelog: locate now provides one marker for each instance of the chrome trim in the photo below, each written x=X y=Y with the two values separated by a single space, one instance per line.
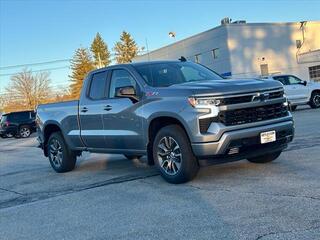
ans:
x=238 y=95
x=252 y=104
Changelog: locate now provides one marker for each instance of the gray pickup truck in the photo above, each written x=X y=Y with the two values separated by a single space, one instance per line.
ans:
x=178 y=113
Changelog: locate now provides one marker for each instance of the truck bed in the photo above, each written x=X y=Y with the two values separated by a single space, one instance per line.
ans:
x=65 y=115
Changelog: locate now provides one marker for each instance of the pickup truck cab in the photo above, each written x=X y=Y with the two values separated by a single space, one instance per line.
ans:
x=178 y=113
x=299 y=92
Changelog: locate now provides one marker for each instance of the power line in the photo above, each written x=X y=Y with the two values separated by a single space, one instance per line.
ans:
x=35 y=64
x=40 y=70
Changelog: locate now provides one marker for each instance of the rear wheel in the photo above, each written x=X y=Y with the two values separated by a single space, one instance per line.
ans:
x=61 y=158
x=173 y=155
x=265 y=158
x=315 y=100
x=24 y=131
x=131 y=157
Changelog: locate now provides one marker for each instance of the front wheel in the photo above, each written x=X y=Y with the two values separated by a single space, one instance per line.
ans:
x=315 y=100
x=61 y=158
x=8 y=135
x=265 y=158
x=173 y=155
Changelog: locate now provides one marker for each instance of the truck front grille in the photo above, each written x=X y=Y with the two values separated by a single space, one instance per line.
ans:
x=248 y=98
x=253 y=114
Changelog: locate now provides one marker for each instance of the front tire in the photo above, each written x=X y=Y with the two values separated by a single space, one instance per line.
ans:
x=265 y=158
x=315 y=100
x=173 y=155
x=10 y=135
x=61 y=158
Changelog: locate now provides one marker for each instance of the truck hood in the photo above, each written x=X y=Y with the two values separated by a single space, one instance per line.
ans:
x=227 y=86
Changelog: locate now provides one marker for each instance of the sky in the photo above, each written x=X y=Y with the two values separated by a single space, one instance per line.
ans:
x=34 y=31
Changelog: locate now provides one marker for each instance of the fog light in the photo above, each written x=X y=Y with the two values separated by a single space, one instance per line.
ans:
x=233 y=150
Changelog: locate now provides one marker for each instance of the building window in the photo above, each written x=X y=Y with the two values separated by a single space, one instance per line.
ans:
x=264 y=69
x=314 y=73
x=215 y=53
x=197 y=58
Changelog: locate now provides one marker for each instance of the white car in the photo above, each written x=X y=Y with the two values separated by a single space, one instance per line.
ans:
x=299 y=92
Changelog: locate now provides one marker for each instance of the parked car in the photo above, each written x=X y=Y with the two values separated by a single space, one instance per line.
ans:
x=299 y=92
x=180 y=114
x=17 y=124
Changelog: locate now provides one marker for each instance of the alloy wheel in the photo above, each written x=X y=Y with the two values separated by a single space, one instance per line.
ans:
x=316 y=100
x=56 y=152
x=169 y=155
x=9 y=135
x=25 y=132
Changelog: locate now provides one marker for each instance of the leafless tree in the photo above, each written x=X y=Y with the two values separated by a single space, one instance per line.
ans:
x=29 y=89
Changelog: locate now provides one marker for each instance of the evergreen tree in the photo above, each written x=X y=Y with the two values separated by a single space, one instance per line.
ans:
x=125 y=49
x=100 y=52
x=81 y=65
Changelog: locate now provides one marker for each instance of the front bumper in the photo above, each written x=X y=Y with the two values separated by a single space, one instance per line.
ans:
x=247 y=141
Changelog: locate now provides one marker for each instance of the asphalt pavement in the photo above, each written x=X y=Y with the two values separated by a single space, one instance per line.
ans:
x=110 y=197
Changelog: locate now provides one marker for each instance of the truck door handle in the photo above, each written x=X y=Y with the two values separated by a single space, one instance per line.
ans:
x=107 y=108
x=84 y=109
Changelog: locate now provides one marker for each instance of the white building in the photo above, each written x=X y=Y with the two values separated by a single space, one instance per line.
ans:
x=242 y=50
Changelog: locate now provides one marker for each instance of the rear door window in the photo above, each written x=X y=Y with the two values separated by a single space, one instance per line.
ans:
x=98 y=86
x=23 y=116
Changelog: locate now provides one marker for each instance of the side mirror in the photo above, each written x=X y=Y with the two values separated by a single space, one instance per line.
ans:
x=304 y=83
x=127 y=92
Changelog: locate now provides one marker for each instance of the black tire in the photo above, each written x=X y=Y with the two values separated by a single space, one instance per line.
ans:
x=293 y=108
x=131 y=157
x=24 y=132
x=61 y=158
x=265 y=158
x=9 y=135
x=315 y=100
x=187 y=162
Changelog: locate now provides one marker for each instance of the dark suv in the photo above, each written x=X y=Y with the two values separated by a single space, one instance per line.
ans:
x=17 y=124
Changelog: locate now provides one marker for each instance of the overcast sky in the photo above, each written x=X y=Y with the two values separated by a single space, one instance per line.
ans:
x=37 y=31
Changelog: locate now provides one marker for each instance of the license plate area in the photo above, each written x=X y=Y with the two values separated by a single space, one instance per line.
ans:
x=267 y=137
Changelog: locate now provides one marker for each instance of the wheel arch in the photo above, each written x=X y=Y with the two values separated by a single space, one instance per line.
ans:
x=156 y=124
x=48 y=130
x=315 y=91
x=311 y=103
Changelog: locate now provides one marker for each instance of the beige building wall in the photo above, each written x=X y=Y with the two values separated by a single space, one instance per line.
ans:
x=255 y=44
x=200 y=45
x=244 y=47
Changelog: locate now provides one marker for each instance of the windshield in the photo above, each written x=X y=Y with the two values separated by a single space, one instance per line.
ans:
x=169 y=73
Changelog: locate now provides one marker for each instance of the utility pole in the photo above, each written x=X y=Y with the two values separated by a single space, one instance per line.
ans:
x=147 y=49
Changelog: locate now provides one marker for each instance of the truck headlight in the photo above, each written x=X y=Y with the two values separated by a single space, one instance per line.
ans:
x=203 y=101
x=286 y=103
x=208 y=104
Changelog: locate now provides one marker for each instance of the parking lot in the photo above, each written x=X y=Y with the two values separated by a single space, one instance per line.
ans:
x=110 y=197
